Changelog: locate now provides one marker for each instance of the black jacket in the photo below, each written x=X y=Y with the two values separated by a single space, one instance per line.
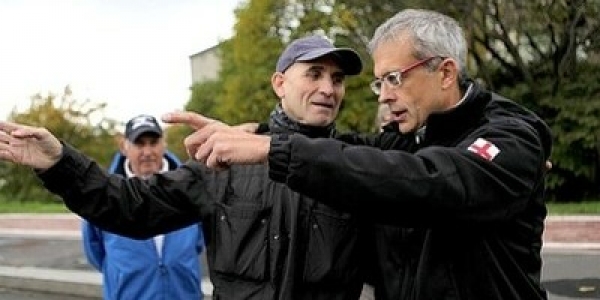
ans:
x=460 y=213
x=263 y=240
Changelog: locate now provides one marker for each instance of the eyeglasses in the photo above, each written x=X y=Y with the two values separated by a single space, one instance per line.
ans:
x=394 y=78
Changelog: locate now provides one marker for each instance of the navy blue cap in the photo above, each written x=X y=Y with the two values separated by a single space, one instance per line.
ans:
x=140 y=125
x=313 y=47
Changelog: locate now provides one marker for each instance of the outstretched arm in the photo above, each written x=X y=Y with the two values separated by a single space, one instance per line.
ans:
x=217 y=144
x=30 y=146
x=128 y=207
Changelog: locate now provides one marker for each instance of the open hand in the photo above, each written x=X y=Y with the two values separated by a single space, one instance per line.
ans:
x=31 y=146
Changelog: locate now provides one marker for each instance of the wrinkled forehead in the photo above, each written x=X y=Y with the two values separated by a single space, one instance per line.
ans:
x=392 y=55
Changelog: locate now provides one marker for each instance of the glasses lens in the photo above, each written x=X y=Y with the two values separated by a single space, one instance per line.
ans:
x=376 y=86
x=393 y=78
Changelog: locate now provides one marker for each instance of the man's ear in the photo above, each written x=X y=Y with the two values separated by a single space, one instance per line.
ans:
x=449 y=71
x=120 y=141
x=277 y=84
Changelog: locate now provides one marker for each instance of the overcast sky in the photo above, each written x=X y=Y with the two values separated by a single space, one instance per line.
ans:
x=131 y=54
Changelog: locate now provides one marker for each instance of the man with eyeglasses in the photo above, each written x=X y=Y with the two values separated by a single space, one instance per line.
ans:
x=458 y=193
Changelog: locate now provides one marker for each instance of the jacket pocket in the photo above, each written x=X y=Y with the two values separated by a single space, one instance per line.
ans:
x=241 y=241
x=332 y=251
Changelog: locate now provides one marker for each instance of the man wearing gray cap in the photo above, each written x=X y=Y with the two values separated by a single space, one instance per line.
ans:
x=263 y=240
x=313 y=47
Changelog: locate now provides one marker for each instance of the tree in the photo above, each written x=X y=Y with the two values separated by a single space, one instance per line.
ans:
x=262 y=30
x=174 y=136
x=544 y=54
x=69 y=120
x=538 y=52
x=248 y=60
x=204 y=97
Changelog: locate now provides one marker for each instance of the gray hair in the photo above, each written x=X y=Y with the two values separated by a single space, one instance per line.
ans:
x=433 y=34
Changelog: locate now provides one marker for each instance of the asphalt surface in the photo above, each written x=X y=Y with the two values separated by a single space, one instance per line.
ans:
x=571 y=254
x=42 y=253
x=567 y=275
x=11 y=294
x=45 y=253
x=572 y=275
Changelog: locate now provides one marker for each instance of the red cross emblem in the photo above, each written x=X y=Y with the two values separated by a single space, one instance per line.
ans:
x=484 y=148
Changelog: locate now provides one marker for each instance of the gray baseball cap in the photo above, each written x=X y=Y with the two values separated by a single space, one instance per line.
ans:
x=313 y=47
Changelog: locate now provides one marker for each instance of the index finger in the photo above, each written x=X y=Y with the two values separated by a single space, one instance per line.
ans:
x=8 y=127
x=192 y=119
x=19 y=130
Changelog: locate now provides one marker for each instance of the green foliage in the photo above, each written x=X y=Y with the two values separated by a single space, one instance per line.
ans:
x=574 y=120
x=359 y=107
x=544 y=54
x=204 y=97
x=587 y=207
x=8 y=206
x=549 y=66
x=248 y=61
x=572 y=113
x=70 y=121
x=174 y=136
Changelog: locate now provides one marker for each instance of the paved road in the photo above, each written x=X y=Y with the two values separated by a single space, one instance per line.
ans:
x=58 y=253
x=42 y=253
x=53 y=241
x=568 y=275
x=572 y=275
x=6 y=294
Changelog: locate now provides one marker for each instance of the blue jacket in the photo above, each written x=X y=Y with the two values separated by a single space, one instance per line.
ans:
x=133 y=270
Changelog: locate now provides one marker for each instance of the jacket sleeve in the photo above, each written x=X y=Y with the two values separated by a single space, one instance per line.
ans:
x=386 y=141
x=132 y=207
x=93 y=245
x=433 y=184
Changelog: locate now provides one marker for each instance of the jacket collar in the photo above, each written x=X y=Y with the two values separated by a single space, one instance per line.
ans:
x=129 y=172
x=280 y=122
x=466 y=114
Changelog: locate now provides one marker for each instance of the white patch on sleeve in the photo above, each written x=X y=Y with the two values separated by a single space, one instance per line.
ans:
x=484 y=148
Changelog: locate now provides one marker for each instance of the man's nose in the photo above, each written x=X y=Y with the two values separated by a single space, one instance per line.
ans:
x=326 y=86
x=147 y=149
x=386 y=94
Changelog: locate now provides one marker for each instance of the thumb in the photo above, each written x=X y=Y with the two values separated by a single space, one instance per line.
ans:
x=192 y=119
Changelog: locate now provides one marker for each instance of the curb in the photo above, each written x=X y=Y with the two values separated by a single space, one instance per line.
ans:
x=76 y=283
x=63 y=282
x=553 y=246
x=42 y=234
x=59 y=216
x=573 y=218
x=572 y=233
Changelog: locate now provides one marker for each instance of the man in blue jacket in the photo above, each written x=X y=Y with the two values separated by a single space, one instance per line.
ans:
x=163 y=267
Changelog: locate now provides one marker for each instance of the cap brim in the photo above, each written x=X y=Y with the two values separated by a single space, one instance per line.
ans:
x=137 y=133
x=347 y=58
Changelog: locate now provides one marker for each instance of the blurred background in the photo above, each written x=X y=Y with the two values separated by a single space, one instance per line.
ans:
x=217 y=59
